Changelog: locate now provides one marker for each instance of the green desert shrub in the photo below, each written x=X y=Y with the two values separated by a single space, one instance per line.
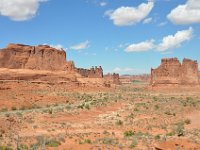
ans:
x=4 y=109
x=179 y=129
x=157 y=137
x=128 y=133
x=14 y=108
x=52 y=143
x=88 y=141
x=3 y=147
x=22 y=147
x=133 y=144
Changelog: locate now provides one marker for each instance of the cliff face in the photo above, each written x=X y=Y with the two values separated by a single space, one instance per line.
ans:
x=113 y=78
x=96 y=72
x=171 y=71
x=190 y=72
x=42 y=57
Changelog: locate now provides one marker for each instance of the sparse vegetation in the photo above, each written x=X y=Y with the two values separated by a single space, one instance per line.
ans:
x=128 y=133
x=187 y=121
x=23 y=147
x=50 y=111
x=4 y=110
x=133 y=144
x=179 y=129
x=128 y=117
x=157 y=137
x=22 y=108
x=52 y=143
x=156 y=107
x=119 y=122
x=14 y=108
x=170 y=134
x=5 y=148
x=85 y=141
x=87 y=106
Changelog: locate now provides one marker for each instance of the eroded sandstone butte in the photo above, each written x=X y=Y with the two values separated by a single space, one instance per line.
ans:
x=94 y=72
x=112 y=78
x=41 y=57
x=172 y=72
x=42 y=62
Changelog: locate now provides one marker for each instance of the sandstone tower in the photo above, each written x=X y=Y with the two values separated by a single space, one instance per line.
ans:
x=172 y=72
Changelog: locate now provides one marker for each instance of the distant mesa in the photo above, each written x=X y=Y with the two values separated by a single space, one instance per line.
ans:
x=172 y=72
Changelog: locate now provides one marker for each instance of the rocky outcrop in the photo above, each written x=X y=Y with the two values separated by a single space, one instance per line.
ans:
x=94 y=72
x=112 y=78
x=172 y=72
x=36 y=75
x=24 y=62
x=190 y=72
x=41 y=57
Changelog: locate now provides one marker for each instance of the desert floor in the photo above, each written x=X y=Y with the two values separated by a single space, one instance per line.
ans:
x=44 y=116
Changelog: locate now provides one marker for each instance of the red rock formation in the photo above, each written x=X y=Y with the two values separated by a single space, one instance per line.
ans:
x=96 y=72
x=172 y=72
x=190 y=72
x=112 y=78
x=42 y=57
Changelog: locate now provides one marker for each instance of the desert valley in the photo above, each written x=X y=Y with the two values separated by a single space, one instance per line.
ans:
x=48 y=103
x=99 y=75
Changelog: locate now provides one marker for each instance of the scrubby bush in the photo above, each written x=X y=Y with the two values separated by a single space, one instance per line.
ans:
x=187 y=121
x=52 y=143
x=128 y=133
x=88 y=141
x=119 y=122
x=133 y=144
x=3 y=147
x=179 y=129
x=157 y=137
x=14 y=108
x=4 y=110
x=22 y=147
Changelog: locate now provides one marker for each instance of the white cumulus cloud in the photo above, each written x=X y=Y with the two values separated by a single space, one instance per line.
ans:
x=162 y=24
x=19 y=10
x=167 y=43
x=173 y=41
x=126 y=16
x=188 y=13
x=140 y=47
x=127 y=70
x=80 y=46
x=123 y=70
x=147 y=20
x=58 y=46
x=103 y=4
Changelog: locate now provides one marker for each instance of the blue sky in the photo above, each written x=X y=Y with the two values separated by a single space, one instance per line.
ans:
x=124 y=36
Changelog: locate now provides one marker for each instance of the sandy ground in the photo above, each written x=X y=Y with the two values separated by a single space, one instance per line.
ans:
x=43 y=116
